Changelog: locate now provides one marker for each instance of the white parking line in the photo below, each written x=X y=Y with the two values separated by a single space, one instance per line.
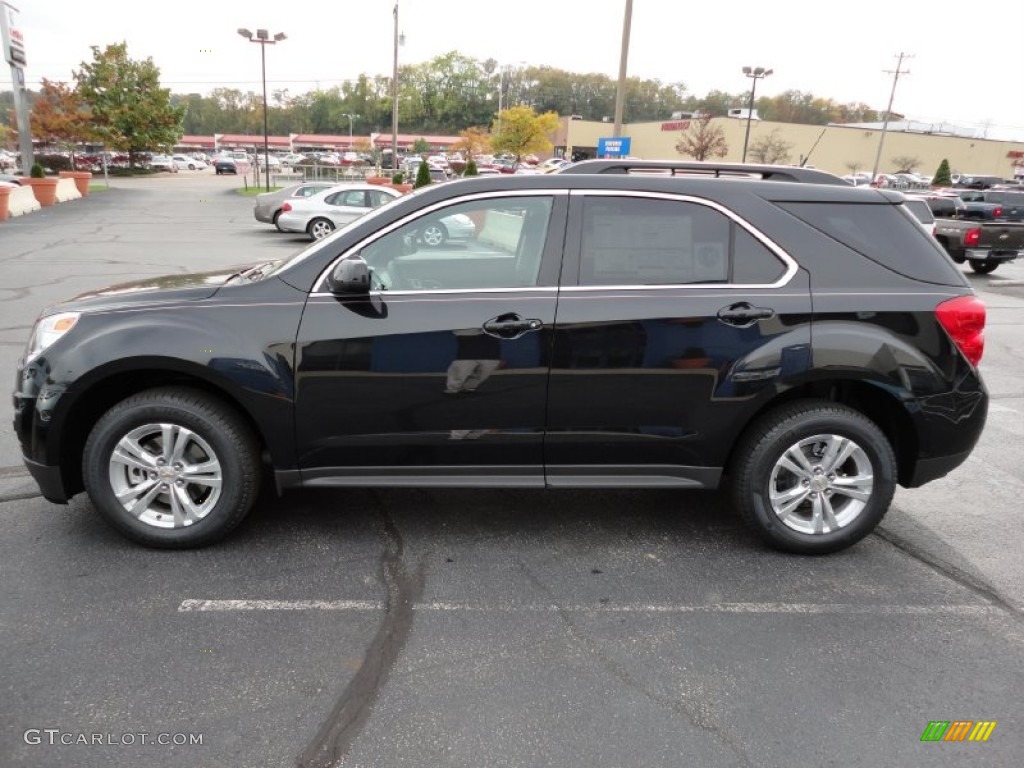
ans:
x=653 y=608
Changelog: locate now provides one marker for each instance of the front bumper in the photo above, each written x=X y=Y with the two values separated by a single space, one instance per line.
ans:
x=49 y=480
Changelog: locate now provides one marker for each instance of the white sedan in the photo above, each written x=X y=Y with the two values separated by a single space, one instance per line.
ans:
x=320 y=214
x=186 y=163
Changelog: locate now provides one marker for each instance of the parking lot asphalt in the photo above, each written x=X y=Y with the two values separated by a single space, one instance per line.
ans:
x=490 y=627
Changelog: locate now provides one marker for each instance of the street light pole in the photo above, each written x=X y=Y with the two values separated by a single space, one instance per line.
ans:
x=888 y=110
x=263 y=38
x=394 y=100
x=755 y=74
x=350 y=118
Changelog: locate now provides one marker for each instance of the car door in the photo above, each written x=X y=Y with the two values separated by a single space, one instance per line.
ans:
x=675 y=319
x=440 y=374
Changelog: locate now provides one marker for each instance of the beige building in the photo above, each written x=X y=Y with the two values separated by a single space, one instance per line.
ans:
x=837 y=149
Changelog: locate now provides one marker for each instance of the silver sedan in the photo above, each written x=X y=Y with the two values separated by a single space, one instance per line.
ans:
x=268 y=205
x=321 y=213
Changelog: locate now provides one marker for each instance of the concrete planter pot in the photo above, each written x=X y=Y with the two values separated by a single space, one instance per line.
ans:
x=5 y=201
x=45 y=190
x=82 y=180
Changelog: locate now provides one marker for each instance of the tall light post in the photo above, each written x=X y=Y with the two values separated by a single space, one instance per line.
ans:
x=755 y=74
x=263 y=38
x=399 y=40
x=350 y=119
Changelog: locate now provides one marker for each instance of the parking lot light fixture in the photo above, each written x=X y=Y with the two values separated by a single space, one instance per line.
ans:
x=755 y=74
x=264 y=39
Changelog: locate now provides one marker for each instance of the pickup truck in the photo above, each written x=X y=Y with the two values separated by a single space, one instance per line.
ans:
x=984 y=245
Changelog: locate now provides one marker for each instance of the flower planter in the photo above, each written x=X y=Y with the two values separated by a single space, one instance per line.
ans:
x=82 y=180
x=5 y=200
x=381 y=180
x=45 y=190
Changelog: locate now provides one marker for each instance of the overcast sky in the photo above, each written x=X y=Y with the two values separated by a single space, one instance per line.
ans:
x=834 y=50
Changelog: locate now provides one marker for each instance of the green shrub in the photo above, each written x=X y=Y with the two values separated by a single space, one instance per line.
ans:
x=422 y=176
x=398 y=178
x=38 y=172
x=55 y=162
x=471 y=169
x=942 y=176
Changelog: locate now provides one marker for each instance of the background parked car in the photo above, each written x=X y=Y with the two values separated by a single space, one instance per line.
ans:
x=225 y=165
x=268 y=205
x=320 y=214
x=163 y=163
x=186 y=163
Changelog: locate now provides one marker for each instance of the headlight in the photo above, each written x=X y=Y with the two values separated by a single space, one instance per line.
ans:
x=47 y=331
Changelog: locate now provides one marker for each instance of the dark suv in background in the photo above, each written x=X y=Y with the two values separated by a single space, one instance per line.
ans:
x=643 y=325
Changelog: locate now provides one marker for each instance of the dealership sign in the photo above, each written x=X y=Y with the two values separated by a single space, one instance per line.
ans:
x=613 y=147
x=12 y=38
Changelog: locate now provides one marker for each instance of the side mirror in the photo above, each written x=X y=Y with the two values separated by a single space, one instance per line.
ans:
x=352 y=275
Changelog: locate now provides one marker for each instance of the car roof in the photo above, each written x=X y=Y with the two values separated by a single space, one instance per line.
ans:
x=695 y=168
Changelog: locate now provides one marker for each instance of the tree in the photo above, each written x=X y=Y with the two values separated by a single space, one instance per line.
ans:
x=521 y=131
x=943 y=176
x=473 y=141
x=421 y=146
x=770 y=149
x=59 y=117
x=905 y=163
x=129 y=110
x=702 y=139
x=422 y=176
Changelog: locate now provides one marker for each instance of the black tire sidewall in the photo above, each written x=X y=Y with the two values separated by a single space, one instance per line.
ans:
x=118 y=422
x=791 y=430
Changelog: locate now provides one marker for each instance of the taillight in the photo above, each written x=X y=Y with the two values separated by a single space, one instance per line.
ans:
x=288 y=206
x=997 y=212
x=964 y=321
x=972 y=236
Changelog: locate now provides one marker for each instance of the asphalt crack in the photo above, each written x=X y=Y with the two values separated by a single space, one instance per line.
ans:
x=331 y=744
x=945 y=568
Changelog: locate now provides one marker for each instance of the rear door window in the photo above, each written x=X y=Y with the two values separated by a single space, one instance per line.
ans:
x=647 y=241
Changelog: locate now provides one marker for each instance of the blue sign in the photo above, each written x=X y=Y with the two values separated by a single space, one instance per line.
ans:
x=613 y=147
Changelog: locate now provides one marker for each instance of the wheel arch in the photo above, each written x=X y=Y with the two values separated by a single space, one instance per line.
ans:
x=112 y=384
x=877 y=402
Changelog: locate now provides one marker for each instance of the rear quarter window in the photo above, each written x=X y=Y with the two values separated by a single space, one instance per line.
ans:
x=883 y=233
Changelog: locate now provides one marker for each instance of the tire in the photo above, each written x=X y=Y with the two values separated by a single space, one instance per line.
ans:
x=320 y=228
x=181 y=512
x=434 y=235
x=191 y=167
x=811 y=512
x=277 y=215
x=983 y=267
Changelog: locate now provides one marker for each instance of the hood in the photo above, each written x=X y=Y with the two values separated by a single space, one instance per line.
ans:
x=152 y=290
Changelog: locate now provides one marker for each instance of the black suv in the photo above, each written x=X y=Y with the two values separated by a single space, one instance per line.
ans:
x=645 y=326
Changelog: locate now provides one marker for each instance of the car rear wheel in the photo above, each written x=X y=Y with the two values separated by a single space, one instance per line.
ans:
x=813 y=477
x=320 y=228
x=277 y=215
x=983 y=267
x=172 y=467
x=434 y=235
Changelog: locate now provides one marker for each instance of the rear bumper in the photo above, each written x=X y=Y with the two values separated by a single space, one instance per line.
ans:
x=926 y=470
x=986 y=254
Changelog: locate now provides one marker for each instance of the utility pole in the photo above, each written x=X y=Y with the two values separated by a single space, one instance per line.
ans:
x=888 y=110
x=620 y=92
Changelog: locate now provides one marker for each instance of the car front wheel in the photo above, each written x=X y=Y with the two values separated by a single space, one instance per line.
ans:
x=813 y=477
x=172 y=467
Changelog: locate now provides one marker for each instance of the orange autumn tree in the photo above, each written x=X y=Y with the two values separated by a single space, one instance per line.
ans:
x=59 y=117
x=474 y=141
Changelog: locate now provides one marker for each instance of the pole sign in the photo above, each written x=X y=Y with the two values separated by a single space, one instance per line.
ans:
x=613 y=147
x=12 y=37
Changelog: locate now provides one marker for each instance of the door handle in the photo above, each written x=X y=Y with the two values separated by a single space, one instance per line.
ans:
x=743 y=314
x=511 y=326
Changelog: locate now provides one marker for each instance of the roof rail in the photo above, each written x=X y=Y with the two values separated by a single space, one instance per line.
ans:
x=718 y=170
